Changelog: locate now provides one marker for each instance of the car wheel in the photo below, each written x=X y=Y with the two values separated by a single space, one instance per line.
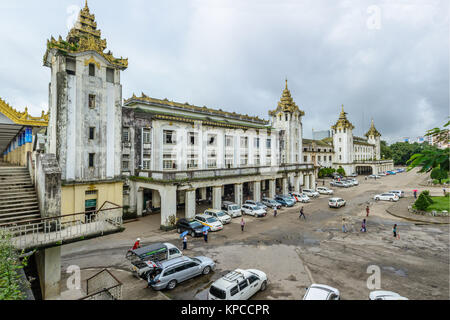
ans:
x=391 y=199
x=376 y=199
x=206 y=270
x=192 y=234
x=172 y=284
x=263 y=285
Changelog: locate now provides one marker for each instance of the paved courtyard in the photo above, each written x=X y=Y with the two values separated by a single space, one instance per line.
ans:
x=294 y=253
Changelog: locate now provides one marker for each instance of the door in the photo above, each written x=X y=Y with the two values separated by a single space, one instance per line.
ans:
x=244 y=292
x=173 y=253
x=181 y=273
x=254 y=285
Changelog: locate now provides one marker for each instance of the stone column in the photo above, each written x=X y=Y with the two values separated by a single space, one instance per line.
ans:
x=168 y=204
x=238 y=194
x=297 y=183
x=217 y=197
x=313 y=181
x=306 y=178
x=156 y=199
x=140 y=201
x=190 y=204
x=257 y=190
x=203 y=193
x=272 y=185
x=48 y=262
x=300 y=178
x=284 y=186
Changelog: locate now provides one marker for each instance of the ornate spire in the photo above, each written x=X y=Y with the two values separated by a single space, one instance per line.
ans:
x=342 y=122
x=286 y=103
x=84 y=36
x=372 y=131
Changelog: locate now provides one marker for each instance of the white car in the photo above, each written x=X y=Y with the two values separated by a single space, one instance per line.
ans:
x=399 y=193
x=219 y=215
x=238 y=285
x=310 y=193
x=213 y=223
x=385 y=295
x=253 y=210
x=300 y=197
x=321 y=292
x=324 y=190
x=382 y=174
x=336 y=202
x=374 y=176
x=386 y=197
x=256 y=203
x=354 y=181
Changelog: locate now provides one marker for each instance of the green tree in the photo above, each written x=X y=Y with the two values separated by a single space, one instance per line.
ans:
x=439 y=174
x=432 y=158
x=421 y=202
x=341 y=171
x=385 y=150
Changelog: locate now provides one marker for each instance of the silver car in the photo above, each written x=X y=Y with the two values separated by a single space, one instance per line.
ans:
x=177 y=270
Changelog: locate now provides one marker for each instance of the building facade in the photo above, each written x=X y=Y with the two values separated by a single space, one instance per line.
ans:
x=85 y=122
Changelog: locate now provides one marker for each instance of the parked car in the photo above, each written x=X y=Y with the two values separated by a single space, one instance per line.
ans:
x=213 y=223
x=338 y=184
x=284 y=200
x=310 y=193
x=354 y=181
x=324 y=190
x=300 y=197
x=337 y=176
x=256 y=203
x=386 y=197
x=175 y=271
x=219 y=215
x=336 y=202
x=399 y=193
x=271 y=203
x=374 y=176
x=382 y=174
x=321 y=292
x=354 y=174
x=194 y=228
x=238 y=285
x=392 y=172
x=253 y=210
x=232 y=209
x=385 y=295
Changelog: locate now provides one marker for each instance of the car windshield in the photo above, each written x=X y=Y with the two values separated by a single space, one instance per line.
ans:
x=235 y=208
x=194 y=224
x=211 y=220
x=196 y=260
x=220 y=214
x=258 y=207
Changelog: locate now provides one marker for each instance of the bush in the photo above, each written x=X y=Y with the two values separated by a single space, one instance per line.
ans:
x=426 y=193
x=422 y=202
x=326 y=172
x=341 y=171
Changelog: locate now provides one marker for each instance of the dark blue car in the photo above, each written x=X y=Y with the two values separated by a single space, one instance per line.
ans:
x=285 y=201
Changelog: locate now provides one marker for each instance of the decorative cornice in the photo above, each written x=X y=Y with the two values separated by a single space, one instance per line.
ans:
x=286 y=104
x=83 y=37
x=187 y=106
x=23 y=118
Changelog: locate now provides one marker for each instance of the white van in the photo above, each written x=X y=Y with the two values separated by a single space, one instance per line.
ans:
x=232 y=209
x=238 y=285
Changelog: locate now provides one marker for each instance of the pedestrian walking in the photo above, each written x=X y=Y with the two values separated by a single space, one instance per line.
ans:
x=275 y=211
x=242 y=224
x=137 y=244
x=367 y=211
x=395 y=232
x=205 y=235
x=363 y=226
x=323 y=182
x=415 y=194
x=302 y=214
x=445 y=192
x=185 y=242
x=344 y=226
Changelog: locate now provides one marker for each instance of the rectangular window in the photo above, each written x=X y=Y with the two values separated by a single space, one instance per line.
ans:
x=305 y=159
x=92 y=101
x=244 y=142
x=125 y=165
x=125 y=135
x=330 y=158
x=91 y=160
x=169 y=162
x=169 y=137
x=110 y=75
x=91 y=133
x=257 y=159
x=146 y=136
x=212 y=139
x=244 y=159
x=229 y=160
x=319 y=158
x=70 y=66
x=192 y=162
x=269 y=143
x=256 y=143
x=92 y=69
x=146 y=153
x=146 y=165
x=192 y=138
x=268 y=160
x=228 y=141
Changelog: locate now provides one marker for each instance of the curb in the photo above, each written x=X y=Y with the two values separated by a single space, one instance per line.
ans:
x=415 y=220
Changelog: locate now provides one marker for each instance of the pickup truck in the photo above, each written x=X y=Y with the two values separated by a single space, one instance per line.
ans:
x=146 y=259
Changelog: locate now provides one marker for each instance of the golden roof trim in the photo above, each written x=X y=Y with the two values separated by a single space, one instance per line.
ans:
x=23 y=118
x=373 y=131
x=343 y=122
x=190 y=107
x=286 y=104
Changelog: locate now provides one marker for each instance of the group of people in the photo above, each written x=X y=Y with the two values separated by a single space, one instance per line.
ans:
x=364 y=225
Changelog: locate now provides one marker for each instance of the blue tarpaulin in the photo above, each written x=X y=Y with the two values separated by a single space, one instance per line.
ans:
x=183 y=234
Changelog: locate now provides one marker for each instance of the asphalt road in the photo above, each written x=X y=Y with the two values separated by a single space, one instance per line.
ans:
x=294 y=253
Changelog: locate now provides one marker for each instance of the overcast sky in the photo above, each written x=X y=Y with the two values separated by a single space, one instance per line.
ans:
x=383 y=59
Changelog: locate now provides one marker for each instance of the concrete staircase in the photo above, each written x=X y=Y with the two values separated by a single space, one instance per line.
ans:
x=18 y=199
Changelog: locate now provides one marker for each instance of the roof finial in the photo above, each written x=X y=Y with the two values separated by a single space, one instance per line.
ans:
x=286 y=83
x=342 y=108
x=85 y=4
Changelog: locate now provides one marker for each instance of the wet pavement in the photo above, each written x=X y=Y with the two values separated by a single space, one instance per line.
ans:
x=294 y=253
